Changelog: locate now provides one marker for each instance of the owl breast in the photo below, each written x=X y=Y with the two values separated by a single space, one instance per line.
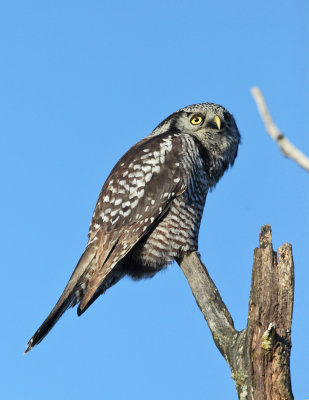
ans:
x=177 y=231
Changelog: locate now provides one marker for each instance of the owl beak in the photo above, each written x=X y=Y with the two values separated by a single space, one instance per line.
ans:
x=217 y=121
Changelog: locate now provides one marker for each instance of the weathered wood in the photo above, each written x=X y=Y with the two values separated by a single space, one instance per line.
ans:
x=259 y=356
x=209 y=301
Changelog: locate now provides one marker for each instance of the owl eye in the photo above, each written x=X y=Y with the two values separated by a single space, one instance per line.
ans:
x=196 y=120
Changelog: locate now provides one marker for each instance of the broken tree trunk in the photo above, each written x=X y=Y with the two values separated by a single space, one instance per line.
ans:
x=259 y=356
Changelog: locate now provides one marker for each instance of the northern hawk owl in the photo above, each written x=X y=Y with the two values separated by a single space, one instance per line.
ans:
x=150 y=207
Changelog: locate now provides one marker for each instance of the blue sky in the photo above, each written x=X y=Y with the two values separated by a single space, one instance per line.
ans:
x=80 y=83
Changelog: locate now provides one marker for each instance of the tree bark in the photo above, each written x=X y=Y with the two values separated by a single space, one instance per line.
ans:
x=259 y=356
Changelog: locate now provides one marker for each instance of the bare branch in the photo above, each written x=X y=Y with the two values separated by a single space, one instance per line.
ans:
x=209 y=301
x=286 y=147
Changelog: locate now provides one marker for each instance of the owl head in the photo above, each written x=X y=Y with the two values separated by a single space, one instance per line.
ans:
x=212 y=126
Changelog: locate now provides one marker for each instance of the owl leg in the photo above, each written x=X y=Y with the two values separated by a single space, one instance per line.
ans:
x=137 y=267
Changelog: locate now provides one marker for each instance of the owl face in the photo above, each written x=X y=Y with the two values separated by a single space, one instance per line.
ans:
x=211 y=124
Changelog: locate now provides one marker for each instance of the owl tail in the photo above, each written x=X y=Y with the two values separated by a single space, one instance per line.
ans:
x=68 y=298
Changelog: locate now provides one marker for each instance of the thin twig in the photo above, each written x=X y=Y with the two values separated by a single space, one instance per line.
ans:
x=287 y=148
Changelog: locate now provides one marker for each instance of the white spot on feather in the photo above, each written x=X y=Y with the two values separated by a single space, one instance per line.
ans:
x=125 y=214
x=140 y=193
x=134 y=203
x=146 y=168
x=115 y=220
x=140 y=183
x=151 y=161
x=148 y=176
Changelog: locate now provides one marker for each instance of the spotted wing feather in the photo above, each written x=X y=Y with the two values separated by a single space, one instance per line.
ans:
x=135 y=196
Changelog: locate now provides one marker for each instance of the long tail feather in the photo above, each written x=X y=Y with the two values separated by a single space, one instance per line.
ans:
x=67 y=299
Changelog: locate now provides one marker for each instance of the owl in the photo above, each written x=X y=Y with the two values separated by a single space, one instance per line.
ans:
x=150 y=207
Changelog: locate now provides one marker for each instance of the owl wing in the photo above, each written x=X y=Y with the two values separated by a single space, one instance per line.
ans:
x=135 y=196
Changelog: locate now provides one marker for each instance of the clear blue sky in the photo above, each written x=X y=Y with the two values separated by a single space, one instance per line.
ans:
x=80 y=83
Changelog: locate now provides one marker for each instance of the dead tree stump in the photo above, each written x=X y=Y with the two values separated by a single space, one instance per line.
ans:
x=259 y=356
